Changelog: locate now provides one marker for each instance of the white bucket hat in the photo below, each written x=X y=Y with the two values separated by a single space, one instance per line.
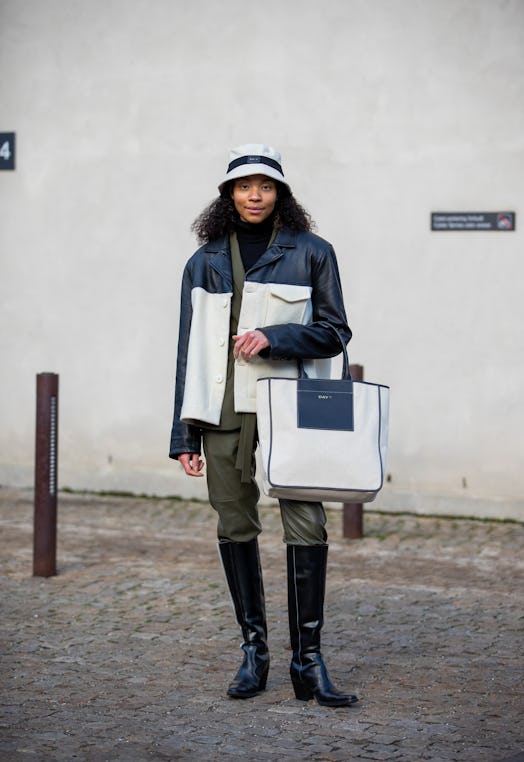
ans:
x=254 y=159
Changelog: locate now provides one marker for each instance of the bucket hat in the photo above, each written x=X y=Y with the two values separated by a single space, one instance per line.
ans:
x=253 y=159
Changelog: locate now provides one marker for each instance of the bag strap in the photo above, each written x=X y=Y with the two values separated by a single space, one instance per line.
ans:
x=346 y=374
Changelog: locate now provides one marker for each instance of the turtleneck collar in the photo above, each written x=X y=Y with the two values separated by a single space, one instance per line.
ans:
x=253 y=239
x=256 y=229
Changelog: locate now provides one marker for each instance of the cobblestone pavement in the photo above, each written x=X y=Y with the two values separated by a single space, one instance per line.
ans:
x=125 y=655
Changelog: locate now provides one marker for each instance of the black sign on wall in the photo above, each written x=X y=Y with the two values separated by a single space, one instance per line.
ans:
x=7 y=150
x=501 y=221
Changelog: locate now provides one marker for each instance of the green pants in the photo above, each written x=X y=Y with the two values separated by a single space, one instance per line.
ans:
x=236 y=502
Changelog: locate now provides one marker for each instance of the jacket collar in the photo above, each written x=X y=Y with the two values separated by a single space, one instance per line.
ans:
x=219 y=245
x=220 y=260
x=286 y=238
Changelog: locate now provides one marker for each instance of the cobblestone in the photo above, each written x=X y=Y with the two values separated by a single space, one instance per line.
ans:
x=125 y=655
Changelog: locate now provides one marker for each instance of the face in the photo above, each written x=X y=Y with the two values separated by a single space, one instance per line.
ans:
x=254 y=197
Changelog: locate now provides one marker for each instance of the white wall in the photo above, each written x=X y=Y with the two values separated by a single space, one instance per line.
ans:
x=384 y=111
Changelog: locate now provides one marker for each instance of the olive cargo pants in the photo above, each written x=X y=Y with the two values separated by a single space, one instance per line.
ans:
x=236 y=501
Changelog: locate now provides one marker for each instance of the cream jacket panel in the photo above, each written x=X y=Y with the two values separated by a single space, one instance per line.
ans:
x=270 y=304
x=207 y=357
x=263 y=304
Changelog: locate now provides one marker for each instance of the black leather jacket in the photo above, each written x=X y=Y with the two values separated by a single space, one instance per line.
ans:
x=296 y=259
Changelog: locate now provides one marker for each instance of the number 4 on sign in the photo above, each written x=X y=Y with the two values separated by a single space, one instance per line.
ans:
x=5 y=151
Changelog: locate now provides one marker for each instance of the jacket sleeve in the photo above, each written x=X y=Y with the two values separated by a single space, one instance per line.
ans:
x=184 y=437
x=317 y=339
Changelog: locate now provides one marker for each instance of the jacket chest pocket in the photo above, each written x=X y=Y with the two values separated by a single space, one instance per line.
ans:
x=287 y=304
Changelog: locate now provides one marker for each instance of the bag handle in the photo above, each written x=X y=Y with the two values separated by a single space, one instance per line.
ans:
x=346 y=374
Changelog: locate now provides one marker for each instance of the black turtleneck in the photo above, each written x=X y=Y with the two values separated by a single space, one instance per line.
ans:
x=253 y=239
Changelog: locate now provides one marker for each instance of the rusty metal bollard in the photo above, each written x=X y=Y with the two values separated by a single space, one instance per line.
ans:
x=353 y=513
x=46 y=468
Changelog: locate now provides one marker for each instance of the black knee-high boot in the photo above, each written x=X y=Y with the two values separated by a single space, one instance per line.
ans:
x=241 y=563
x=306 y=570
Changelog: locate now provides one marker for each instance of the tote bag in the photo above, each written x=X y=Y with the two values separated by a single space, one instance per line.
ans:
x=322 y=439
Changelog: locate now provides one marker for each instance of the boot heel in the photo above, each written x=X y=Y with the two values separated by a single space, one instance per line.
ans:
x=302 y=692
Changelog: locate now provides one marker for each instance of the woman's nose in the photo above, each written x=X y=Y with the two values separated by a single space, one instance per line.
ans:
x=254 y=192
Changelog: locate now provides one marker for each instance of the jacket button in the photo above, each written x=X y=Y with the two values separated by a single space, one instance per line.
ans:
x=219 y=379
x=221 y=341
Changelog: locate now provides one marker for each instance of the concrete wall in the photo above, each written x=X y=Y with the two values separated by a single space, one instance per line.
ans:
x=384 y=111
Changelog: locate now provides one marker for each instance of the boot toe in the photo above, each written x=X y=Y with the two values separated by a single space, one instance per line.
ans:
x=336 y=700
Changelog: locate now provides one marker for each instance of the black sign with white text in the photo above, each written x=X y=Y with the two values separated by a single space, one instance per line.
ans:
x=7 y=150
x=501 y=221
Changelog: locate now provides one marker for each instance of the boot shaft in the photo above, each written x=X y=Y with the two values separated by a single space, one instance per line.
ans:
x=306 y=573
x=241 y=562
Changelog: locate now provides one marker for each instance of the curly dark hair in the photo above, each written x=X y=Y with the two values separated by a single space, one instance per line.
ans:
x=220 y=215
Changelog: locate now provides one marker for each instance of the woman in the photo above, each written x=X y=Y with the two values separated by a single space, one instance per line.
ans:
x=262 y=292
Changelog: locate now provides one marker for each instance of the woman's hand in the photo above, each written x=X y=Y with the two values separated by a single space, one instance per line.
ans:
x=191 y=463
x=249 y=344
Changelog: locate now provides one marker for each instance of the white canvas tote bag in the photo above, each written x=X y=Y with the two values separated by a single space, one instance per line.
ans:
x=322 y=439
